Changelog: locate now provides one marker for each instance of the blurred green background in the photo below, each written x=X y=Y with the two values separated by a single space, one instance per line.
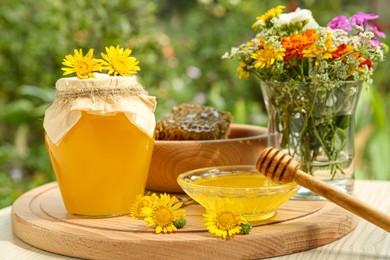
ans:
x=179 y=45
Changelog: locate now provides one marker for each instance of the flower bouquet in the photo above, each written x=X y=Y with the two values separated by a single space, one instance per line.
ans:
x=311 y=78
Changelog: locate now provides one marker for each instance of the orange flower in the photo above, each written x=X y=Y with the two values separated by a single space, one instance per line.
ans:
x=297 y=43
x=342 y=50
x=261 y=43
x=251 y=44
x=367 y=62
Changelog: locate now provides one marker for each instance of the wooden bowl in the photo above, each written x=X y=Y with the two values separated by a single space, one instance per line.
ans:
x=171 y=158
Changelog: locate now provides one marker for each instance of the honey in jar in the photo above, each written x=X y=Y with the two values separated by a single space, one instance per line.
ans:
x=99 y=135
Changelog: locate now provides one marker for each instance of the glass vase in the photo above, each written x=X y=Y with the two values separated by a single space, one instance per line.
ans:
x=315 y=124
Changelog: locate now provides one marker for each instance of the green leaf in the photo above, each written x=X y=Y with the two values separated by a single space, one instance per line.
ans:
x=339 y=139
x=18 y=111
x=44 y=94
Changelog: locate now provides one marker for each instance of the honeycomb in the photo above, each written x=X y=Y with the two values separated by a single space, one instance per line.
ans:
x=193 y=122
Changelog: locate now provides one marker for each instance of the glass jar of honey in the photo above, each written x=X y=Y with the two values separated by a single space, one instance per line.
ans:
x=99 y=135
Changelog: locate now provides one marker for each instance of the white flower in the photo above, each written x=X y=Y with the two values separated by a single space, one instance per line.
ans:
x=233 y=51
x=312 y=24
x=226 y=55
x=340 y=36
x=299 y=15
x=260 y=23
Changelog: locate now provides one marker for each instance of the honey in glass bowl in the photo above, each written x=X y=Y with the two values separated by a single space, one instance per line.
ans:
x=240 y=186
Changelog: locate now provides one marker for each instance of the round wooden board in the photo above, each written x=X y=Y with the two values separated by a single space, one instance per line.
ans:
x=40 y=219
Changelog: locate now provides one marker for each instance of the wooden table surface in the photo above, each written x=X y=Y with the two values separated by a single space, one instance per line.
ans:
x=366 y=241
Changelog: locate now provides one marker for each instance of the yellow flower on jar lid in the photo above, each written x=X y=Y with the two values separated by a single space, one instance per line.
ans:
x=83 y=66
x=119 y=62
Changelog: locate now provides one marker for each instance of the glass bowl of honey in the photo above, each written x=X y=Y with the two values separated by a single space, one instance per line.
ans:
x=241 y=187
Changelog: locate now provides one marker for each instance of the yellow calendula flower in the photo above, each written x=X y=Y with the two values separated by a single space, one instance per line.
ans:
x=242 y=69
x=314 y=50
x=264 y=18
x=163 y=213
x=267 y=56
x=141 y=202
x=83 y=66
x=119 y=62
x=329 y=47
x=224 y=222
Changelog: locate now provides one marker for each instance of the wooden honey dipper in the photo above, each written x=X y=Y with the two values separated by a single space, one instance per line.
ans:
x=281 y=168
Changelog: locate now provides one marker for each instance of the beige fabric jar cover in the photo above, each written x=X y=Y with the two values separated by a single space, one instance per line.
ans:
x=104 y=95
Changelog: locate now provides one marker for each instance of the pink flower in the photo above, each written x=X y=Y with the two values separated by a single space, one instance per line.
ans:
x=358 y=19
x=361 y=19
x=375 y=30
x=377 y=42
x=340 y=22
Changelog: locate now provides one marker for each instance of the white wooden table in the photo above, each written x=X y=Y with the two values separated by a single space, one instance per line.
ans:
x=366 y=241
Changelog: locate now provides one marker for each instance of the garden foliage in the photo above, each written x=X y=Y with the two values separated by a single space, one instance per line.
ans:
x=179 y=45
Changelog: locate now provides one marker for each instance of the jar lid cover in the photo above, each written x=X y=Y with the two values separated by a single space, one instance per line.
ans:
x=104 y=95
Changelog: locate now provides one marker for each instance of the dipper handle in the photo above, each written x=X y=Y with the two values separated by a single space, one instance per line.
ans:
x=282 y=168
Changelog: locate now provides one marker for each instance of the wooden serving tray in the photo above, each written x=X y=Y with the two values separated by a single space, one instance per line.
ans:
x=40 y=219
